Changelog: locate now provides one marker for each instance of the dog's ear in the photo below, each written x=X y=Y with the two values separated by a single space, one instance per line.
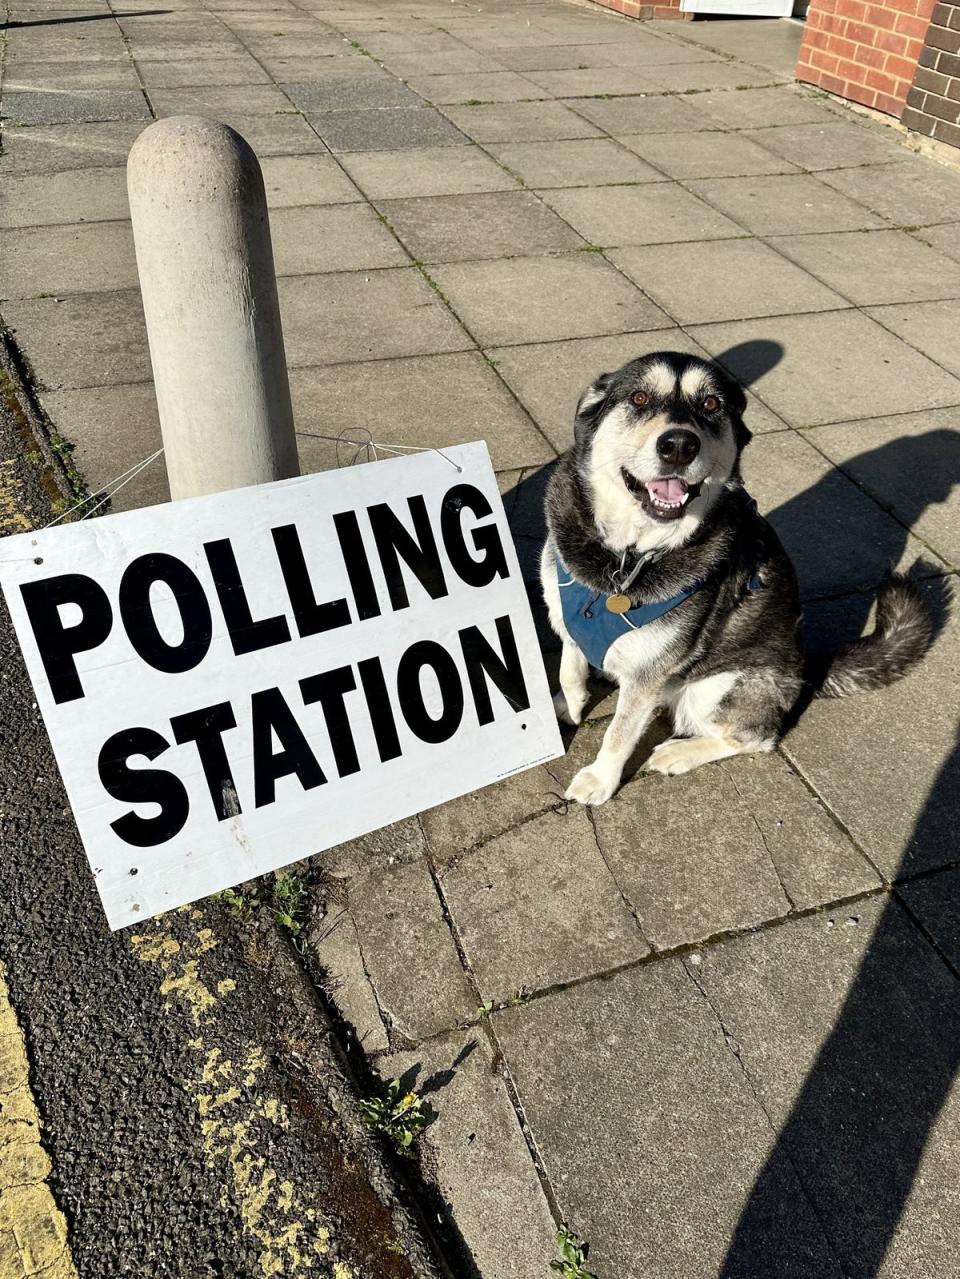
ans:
x=589 y=406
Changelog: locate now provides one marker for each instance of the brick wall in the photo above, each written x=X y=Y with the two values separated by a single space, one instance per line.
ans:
x=864 y=50
x=933 y=104
x=636 y=9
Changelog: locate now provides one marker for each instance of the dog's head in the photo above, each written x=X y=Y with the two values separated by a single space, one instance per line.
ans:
x=658 y=440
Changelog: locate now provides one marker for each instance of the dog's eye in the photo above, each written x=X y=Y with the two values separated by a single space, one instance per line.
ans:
x=640 y=398
x=711 y=404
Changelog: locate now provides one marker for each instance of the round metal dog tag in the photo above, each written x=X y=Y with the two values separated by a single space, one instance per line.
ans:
x=618 y=603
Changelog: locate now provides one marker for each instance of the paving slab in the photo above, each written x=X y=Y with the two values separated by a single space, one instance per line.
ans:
x=200 y=72
x=533 y=299
x=473 y=405
x=723 y=280
x=384 y=130
x=587 y=162
x=283 y=134
x=689 y=877
x=593 y=82
x=705 y=155
x=935 y=901
x=712 y=75
x=647 y=50
x=635 y=1074
x=333 y=945
x=623 y=117
x=76 y=195
x=549 y=57
x=835 y=145
x=896 y=379
x=112 y=428
x=520 y=122
x=481 y=86
x=549 y=377
x=838 y=537
x=932 y=327
x=81 y=340
x=653 y=213
x=221 y=102
x=886 y=762
x=89 y=257
x=912 y=192
x=391 y=175
x=458 y=827
x=456 y=228
x=847 y=262
x=449 y=62
x=408 y=951
x=475 y=1153
x=306 y=180
x=755 y=108
x=50 y=44
x=341 y=237
x=765 y=44
x=786 y=204
x=351 y=92
x=116 y=73
x=910 y=463
x=362 y=316
x=945 y=239
x=538 y=905
x=75 y=106
x=846 y=1026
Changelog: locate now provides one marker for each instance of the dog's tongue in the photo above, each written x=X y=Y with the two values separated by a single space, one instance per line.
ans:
x=671 y=490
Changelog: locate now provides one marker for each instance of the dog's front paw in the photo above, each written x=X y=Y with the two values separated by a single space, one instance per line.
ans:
x=566 y=713
x=593 y=785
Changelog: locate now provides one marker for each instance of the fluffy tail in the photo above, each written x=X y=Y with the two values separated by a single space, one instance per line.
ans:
x=903 y=635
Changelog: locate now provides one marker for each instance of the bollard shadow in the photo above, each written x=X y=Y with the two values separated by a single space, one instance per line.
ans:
x=15 y=24
x=859 y=1126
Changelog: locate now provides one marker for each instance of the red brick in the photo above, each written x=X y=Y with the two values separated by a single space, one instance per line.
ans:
x=870 y=57
x=892 y=42
x=889 y=104
x=833 y=84
x=852 y=9
x=878 y=16
x=925 y=8
x=842 y=48
x=828 y=64
x=851 y=71
x=880 y=81
x=830 y=22
x=860 y=32
x=912 y=26
x=902 y=68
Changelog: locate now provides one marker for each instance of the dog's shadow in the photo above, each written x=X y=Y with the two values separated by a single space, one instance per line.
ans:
x=859 y=1125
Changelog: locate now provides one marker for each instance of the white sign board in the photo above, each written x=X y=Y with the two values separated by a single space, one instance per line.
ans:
x=233 y=682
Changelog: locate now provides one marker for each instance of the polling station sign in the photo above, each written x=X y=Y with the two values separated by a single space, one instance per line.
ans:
x=237 y=681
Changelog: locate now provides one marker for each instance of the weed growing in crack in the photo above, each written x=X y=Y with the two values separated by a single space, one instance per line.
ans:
x=397 y=1116
x=485 y=1009
x=289 y=902
x=236 y=903
x=574 y=1254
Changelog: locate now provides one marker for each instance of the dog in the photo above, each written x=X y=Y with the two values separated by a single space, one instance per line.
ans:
x=659 y=572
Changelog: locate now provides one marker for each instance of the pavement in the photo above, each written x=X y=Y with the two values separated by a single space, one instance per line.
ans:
x=715 y=1024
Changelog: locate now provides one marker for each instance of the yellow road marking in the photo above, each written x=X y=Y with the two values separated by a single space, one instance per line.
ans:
x=33 y=1232
x=232 y=1108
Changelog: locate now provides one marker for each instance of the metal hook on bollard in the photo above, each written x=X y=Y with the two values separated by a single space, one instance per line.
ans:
x=205 y=261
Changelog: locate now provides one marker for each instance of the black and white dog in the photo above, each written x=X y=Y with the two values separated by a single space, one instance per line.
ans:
x=659 y=572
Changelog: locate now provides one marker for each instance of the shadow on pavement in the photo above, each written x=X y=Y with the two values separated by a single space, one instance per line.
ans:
x=857 y=1131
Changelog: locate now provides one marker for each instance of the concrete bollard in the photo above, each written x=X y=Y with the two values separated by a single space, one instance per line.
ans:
x=210 y=299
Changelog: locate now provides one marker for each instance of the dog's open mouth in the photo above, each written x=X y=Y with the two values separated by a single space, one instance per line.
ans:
x=663 y=498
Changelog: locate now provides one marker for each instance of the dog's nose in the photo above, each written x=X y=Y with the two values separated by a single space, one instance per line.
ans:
x=678 y=448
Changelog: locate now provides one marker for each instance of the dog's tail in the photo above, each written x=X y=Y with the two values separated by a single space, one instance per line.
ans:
x=903 y=635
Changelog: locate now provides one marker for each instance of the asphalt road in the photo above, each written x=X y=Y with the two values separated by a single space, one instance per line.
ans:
x=192 y=1098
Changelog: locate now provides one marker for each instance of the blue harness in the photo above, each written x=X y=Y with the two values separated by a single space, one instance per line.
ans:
x=594 y=628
